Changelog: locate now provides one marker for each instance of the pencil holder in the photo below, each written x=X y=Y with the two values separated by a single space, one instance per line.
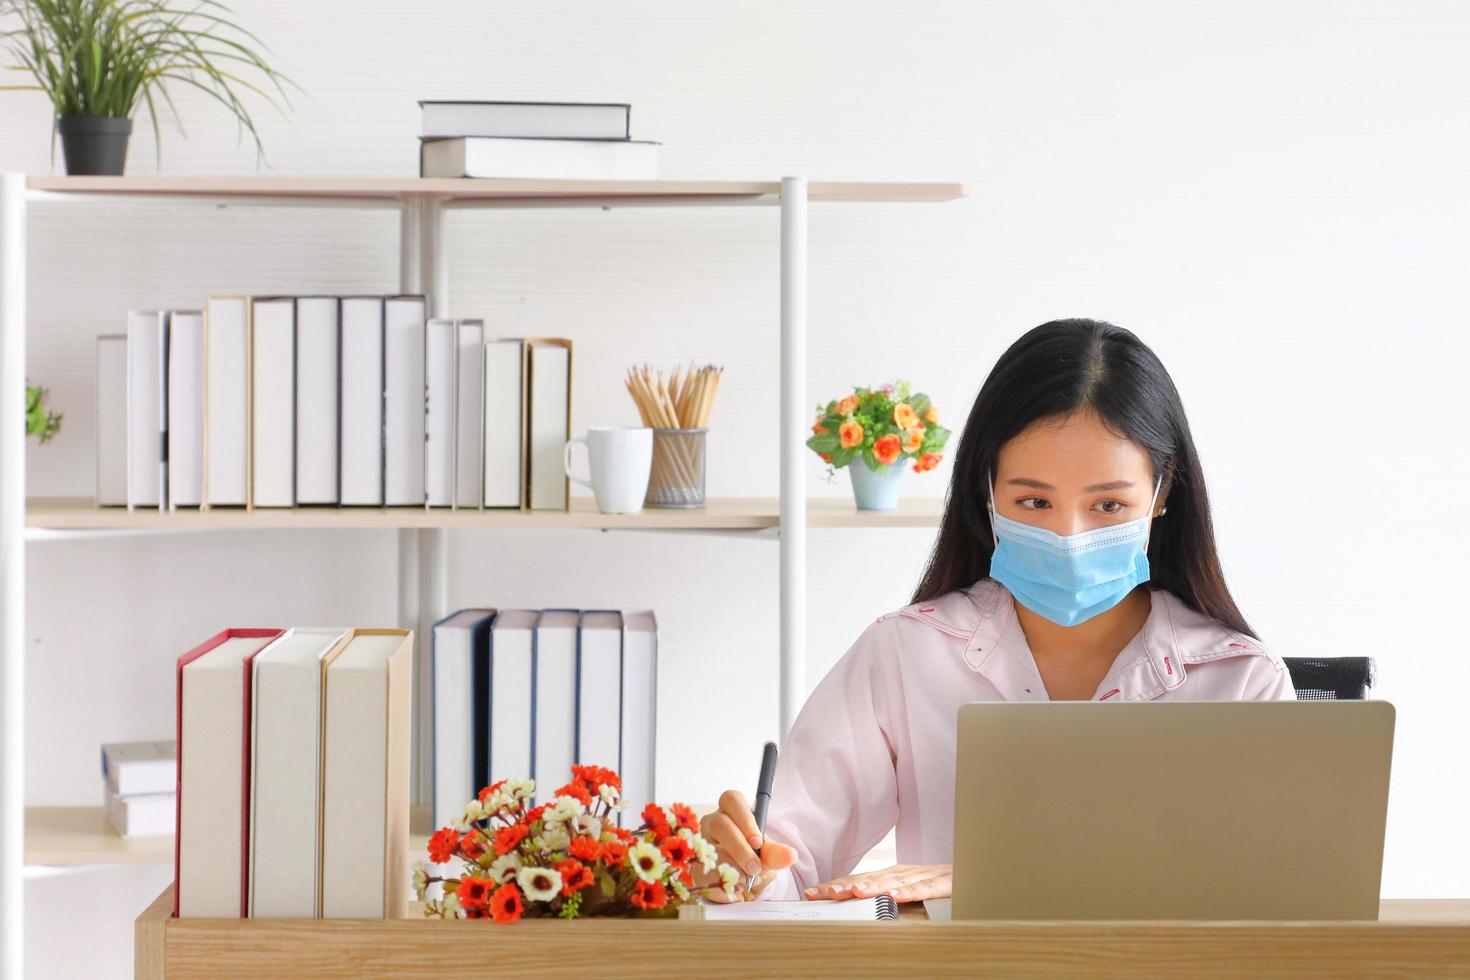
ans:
x=677 y=475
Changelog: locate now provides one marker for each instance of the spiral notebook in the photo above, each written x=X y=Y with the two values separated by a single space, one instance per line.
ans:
x=877 y=908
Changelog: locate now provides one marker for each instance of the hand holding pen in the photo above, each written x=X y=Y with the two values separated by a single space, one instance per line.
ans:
x=739 y=837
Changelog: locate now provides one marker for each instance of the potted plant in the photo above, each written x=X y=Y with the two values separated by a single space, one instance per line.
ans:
x=41 y=422
x=96 y=59
x=884 y=428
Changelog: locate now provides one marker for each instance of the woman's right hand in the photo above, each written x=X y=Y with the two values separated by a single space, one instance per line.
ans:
x=732 y=831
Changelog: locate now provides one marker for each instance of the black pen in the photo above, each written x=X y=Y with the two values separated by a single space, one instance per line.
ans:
x=763 y=799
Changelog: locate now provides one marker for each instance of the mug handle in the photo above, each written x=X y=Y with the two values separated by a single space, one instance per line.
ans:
x=566 y=461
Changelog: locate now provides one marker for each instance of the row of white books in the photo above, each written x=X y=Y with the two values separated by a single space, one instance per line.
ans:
x=535 y=140
x=528 y=693
x=294 y=774
x=287 y=401
x=139 y=787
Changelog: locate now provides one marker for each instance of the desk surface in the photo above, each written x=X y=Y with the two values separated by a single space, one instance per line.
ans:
x=1423 y=937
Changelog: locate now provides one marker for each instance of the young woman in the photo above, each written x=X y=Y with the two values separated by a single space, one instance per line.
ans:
x=1075 y=483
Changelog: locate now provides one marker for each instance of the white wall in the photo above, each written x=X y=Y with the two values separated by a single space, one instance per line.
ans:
x=1272 y=195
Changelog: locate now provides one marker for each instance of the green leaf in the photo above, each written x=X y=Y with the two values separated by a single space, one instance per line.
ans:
x=844 y=456
x=608 y=885
x=824 y=442
x=920 y=404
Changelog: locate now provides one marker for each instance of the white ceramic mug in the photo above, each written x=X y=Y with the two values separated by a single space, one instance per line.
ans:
x=619 y=460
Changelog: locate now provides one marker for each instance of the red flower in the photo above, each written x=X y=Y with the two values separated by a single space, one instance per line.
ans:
x=653 y=816
x=509 y=838
x=472 y=845
x=684 y=817
x=621 y=833
x=597 y=776
x=533 y=814
x=506 y=905
x=678 y=850
x=614 y=853
x=442 y=844
x=649 y=895
x=474 y=892
x=485 y=793
x=927 y=462
x=585 y=848
x=577 y=791
x=574 y=875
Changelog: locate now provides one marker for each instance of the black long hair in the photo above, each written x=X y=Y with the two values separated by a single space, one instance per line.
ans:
x=1053 y=371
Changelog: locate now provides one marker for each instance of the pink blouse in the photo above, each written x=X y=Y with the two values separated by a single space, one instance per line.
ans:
x=874 y=746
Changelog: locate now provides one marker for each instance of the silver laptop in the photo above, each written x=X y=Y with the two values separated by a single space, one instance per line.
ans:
x=1262 y=810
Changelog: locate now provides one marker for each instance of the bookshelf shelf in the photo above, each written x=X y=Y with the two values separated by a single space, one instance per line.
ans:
x=723 y=514
x=393 y=191
x=72 y=836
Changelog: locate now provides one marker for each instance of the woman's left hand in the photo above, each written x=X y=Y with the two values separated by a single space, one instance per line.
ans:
x=905 y=882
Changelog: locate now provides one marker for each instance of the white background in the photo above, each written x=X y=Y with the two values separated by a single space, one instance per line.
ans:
x=1271 y=195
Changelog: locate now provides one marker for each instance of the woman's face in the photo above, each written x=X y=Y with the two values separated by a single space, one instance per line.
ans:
x=1073 y=474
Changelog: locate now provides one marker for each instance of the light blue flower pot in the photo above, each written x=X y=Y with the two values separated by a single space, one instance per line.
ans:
x=875 y=489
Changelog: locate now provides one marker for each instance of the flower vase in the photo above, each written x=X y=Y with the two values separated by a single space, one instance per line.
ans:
x=876 y=489
x=94 y=144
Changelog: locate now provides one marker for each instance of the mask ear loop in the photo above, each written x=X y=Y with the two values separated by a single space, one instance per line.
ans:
x=990 y=507
x=1148 y=532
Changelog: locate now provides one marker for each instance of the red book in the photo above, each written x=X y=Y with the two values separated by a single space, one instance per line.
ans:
x=213 y=705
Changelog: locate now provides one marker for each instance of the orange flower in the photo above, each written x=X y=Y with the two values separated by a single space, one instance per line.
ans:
x=585 y=848
x=848 y=405
x=885 y=450
x=596 y=777
x=653 y=816
x=576 y=791
x=533 y=814
x=614 y=853
x=913 y=439
x=649 y=895
x=678 y=851
x=574 y=875
x=472 y=845
x=819 y=428
x=905 y=416
x=506 y=904
x=851 y=433
x=621 y=833
x=685 y=817
x=509 y=838
x=927 y=462
x=485 y=793
x=442 y=844
x=931 y=415
x=474 y=892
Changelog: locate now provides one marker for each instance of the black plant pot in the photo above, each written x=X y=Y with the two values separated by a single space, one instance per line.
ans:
x=94 y=145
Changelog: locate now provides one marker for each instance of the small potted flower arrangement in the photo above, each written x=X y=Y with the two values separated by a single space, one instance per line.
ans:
x=885 y=428
x=566 y=858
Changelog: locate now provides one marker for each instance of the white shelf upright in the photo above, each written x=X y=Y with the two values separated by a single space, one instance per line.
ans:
x=12 y=569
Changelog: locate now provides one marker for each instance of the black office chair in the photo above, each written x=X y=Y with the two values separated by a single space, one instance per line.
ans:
x=1331 y=678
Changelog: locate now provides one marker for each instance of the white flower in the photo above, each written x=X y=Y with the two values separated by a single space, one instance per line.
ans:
x=496 y=802
x=539 y=884
x=647 y=861
x=564 y=808
x=519 y=789
x=586 y=823
x=609 y=793
x=452 y=908
x=420 y=880
x=704 y=851
x=504 y=868
x=729 y=878
x=474 y=810
x=679 y=889
x=555 y=838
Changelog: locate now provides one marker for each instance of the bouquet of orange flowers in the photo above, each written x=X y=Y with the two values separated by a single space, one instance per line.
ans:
x=566 y=858
x=880 y=426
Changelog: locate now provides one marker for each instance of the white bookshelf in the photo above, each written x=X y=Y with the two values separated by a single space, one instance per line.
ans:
x=423 y=268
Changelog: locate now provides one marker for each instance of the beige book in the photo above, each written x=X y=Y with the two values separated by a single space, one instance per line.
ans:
x=549 y=421
x=367 y=693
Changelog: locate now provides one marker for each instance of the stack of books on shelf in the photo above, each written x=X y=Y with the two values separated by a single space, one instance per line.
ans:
x=536 y=140
x=527 y=693
x=285 y=401
x=139 y=787
x=294 y=774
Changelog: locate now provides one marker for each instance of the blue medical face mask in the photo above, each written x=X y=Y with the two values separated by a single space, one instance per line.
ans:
x=1070 y=578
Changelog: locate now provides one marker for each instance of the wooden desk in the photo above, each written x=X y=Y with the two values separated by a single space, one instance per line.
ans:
x=1422 y=938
